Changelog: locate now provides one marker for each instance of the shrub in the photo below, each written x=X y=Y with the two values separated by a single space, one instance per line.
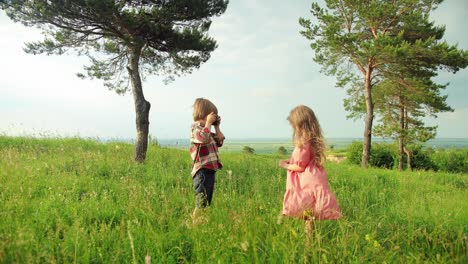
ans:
x=386 y=156
x=451 y=160
x=382 y=155
x=248 y=150
x=354 y=152
x=421 y=159
x=282 y=150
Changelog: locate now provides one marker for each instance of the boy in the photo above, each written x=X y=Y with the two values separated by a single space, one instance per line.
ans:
x=204 y=151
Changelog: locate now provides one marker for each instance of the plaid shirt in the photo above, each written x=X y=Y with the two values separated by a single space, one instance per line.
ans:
x=204 y=149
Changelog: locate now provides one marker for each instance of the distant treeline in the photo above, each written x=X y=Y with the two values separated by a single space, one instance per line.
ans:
x=272 y=144
x=385 y=155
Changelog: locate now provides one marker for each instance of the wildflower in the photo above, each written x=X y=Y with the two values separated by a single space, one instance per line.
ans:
x=376 y=244
x=368 y=237
x=245 y=246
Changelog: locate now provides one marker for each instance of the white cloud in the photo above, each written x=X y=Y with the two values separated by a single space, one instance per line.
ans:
x=451 y=124
x=450 y=14
x=262 y=68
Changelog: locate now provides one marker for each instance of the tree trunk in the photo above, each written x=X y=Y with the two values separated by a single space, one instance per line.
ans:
x=401 y=143
x=400 y=153
x=408 y=158
x=408 y=153
x=366 y=149
x=142 y=107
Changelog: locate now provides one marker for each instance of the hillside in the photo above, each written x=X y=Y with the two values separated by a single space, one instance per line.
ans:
x=74 y=200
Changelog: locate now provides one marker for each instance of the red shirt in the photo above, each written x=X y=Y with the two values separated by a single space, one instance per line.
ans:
x=204 y=149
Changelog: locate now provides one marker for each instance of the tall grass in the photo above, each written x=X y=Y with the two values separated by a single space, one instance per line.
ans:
x=73 y=200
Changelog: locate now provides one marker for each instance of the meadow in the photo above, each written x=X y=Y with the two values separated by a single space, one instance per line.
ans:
x=81 y=201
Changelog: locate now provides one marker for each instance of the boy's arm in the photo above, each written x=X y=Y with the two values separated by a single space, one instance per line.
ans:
x=203 y=134
x=200 y=135
x=218 y=137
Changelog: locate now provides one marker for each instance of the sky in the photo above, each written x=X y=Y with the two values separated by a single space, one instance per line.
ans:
x=261 y=69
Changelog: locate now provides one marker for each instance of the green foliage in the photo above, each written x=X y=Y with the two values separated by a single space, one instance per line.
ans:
x=391 y=45
x=386 y=156
x=72 y=200
x=282 y=150
x=451 y=160
x=354 y=153
x=421 y=159
x=248 y=150
x=166 y=37
x=382 y=155
x=124 y=40
x=401 y=105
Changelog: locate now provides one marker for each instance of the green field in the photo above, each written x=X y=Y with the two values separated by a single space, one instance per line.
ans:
x=72 y=200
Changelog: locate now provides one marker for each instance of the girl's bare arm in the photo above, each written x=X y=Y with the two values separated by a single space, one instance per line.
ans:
x=292 y=167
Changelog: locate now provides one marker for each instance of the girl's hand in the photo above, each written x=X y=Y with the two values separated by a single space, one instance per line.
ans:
x=283 y=163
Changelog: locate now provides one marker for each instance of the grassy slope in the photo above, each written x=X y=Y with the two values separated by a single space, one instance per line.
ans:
x=67 y=200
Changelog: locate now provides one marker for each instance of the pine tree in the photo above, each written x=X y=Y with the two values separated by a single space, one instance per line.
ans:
x=401 y=105
x=359 y=41
x=125 y=40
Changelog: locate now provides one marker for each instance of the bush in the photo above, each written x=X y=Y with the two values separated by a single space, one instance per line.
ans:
x=282 y=150
x=451 y=160
x=354 y=153
x=248 y=150
x=382 y=155
x=386 y=156
x=421 y=159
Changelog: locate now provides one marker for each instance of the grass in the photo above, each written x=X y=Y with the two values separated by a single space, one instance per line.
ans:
x=74 y=200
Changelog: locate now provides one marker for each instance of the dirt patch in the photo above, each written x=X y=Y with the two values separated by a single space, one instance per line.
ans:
x=336 y=159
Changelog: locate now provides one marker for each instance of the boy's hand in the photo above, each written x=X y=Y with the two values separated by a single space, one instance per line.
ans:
x=210 y=119
x=218 y=121
x=219 y=135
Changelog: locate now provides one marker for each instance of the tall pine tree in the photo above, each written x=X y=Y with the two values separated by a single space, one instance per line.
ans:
x=360 y=41
x=125 y=40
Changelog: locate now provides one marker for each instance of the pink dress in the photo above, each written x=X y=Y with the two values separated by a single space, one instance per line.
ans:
x=307 y=192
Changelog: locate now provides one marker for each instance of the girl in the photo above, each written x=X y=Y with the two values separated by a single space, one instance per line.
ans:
x=308 y=195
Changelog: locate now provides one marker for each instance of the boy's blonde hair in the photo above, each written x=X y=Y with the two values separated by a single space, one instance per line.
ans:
x=307 y=131
x=202 y=108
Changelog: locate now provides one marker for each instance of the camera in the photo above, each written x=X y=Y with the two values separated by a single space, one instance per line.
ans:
x=216 y=123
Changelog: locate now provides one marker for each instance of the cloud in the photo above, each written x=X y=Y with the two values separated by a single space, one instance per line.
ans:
x=460 y=115
x=270 y=92
x=450 y=13
x=451 y=124
x=262 y=68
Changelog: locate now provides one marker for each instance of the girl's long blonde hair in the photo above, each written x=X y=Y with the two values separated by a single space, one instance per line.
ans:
x=307 y=131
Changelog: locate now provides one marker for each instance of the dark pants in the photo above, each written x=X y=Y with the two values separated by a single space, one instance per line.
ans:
x=203 y=183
